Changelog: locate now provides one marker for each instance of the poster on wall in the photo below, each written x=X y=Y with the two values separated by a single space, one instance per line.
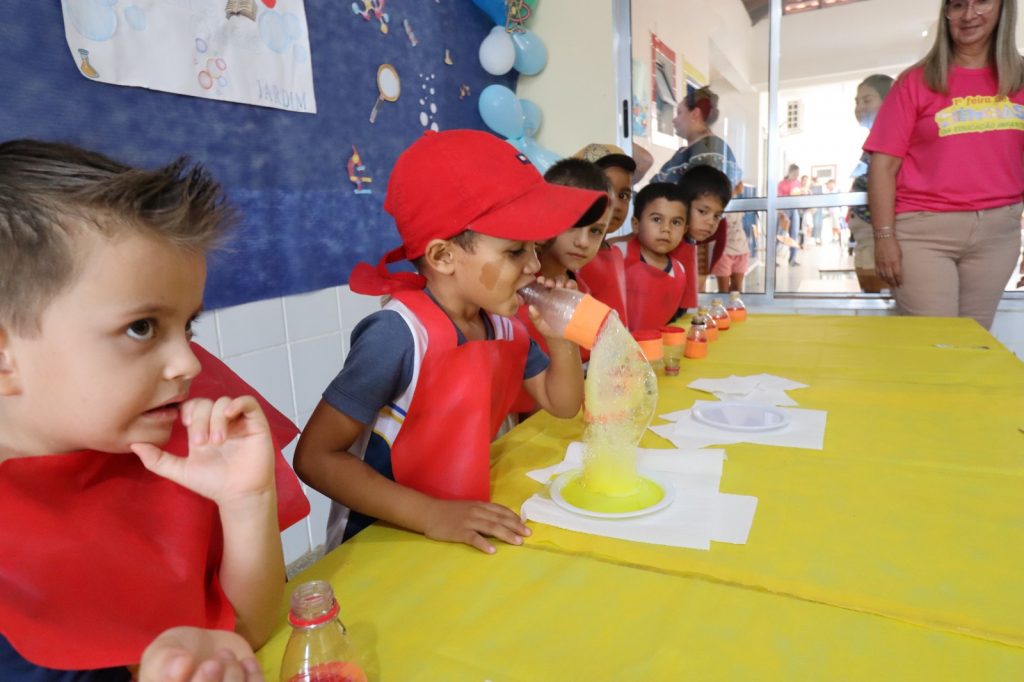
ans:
x=640 y=109
x=247 y=51
x=663 y=94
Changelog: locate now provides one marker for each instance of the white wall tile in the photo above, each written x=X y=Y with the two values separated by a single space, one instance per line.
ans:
x=355 y=307
x=249 y=327
x=295 y=540
x=268 y=372
x=204 y=331
x=320 y=507
x=314 y=363
x=313 y=314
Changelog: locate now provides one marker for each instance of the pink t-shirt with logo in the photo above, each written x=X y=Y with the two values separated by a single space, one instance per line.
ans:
x=962 y=151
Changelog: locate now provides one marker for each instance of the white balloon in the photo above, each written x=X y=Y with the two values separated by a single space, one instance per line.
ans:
x=497 y=52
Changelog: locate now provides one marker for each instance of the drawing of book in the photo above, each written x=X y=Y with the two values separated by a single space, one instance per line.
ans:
x=245 y=8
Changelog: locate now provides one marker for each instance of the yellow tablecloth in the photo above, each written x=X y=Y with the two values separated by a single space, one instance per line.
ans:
x=894 y=553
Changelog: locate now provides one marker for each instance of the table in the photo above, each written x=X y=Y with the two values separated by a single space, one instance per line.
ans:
x=895 y=553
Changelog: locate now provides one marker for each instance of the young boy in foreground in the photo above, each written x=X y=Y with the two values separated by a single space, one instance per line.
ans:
x=138 y=493
x=655 y=281
x=403 y=432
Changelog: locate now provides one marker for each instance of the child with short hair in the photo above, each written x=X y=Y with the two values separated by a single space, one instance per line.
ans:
x=706 y=191
x=403 y=433
x=619 y=167
x=655 y=280
x=563 y=257
x=103 y=272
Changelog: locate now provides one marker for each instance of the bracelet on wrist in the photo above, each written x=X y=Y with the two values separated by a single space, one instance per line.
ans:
x=885 y=235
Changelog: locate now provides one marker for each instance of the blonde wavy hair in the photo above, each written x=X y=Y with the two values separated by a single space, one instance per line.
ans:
x=1007 y=60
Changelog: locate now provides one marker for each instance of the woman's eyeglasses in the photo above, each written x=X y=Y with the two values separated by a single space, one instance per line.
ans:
x=956 y=8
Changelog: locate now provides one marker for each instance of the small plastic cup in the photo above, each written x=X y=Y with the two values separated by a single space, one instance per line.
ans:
x=673 y=340
x=650 y=344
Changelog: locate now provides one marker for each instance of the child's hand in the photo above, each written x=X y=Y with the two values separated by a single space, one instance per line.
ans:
x=187 y=654
x=535 y=317
x=469 y=521
x=230 y=454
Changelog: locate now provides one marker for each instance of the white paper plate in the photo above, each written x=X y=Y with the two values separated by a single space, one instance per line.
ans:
x=566 y=476
x=745 y=417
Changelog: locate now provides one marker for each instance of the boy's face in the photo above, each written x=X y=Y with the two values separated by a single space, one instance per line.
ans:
x=705 y=214
x=662 y=225
x=490 y=275
x=621 y=194
x=577 y=246
x=112 y=361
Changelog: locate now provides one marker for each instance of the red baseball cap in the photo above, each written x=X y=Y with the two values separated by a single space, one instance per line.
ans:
x=456 y=180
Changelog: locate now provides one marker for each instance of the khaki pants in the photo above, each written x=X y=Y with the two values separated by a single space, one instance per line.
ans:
x=957 y=264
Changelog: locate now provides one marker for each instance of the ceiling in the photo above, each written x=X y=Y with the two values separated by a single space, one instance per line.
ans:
x=758 y=9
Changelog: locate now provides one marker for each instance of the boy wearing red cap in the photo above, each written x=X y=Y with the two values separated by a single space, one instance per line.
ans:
x=403 y=432
x=101 y=549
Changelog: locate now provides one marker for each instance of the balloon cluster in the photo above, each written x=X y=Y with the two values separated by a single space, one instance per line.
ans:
x=510 y=45
x=517 y=120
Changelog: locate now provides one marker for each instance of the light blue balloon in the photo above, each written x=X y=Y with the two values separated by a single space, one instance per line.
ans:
x=539 y=156
x=136 y=17
x=501 y=111
x=495 y=9
x=531 y=54
x=531 y=117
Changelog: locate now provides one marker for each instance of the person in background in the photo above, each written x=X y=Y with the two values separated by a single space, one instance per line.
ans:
x=870 y=94
x=403 y=433
x=695 y=115
x=947 y=167
x=141 y=482
x=789 y=221
x=655 y=280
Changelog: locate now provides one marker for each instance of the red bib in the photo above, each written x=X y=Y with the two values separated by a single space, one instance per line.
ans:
x=462 y=396
x=653 y=296
x=98 y=555
x=605 y=277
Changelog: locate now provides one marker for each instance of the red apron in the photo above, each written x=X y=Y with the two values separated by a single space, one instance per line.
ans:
x=605 y=277
x=653 y=296
x=686 y=254
x=98 y=555
x=462 y=396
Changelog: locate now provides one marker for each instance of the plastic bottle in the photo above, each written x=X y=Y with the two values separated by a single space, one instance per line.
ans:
x=571 y=314
x=650 y=344
x=319 y=649
x=737 y=311
x=709 y=324
x=697 y=338
x=673 y=340
x=719 y=314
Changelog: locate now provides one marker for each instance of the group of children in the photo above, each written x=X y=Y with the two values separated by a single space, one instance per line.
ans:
x=142 y=483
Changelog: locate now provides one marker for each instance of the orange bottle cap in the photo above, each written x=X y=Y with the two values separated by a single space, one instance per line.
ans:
x=673 y=336
x=586 y=321
x=649 y=341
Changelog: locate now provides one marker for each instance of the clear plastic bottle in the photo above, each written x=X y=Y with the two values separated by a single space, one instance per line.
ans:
x=697 y=338
x=737 y=311
x=709 y=324
x=719 y=314
x=570 y=313
x=319 y=649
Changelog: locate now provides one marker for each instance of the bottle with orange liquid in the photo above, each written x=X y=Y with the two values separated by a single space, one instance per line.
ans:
x=697 y=338
x=319 y=649
x=709 y=324
x=737 y=311
x=719 y=314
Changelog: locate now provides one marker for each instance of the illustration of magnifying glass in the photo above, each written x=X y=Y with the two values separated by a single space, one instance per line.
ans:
x=389 y=87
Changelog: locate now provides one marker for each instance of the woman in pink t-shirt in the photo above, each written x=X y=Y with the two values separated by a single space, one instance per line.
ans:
x=947 y=169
